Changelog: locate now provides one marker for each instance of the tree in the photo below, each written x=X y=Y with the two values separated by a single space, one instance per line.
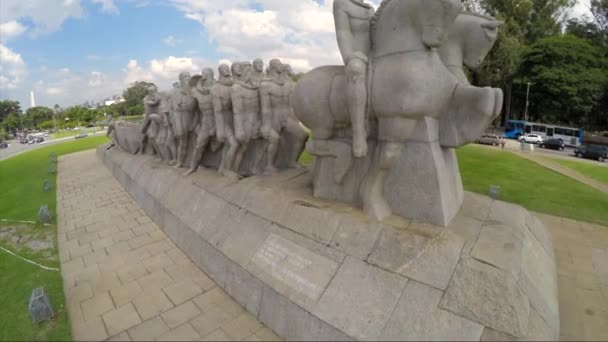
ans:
x=569 y=77
x=12 y=123
x=36 y=115
x=134 y=95
x=8 y=107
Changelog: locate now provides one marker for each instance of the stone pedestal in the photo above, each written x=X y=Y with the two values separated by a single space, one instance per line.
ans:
x=424 y=184
x=319 y=270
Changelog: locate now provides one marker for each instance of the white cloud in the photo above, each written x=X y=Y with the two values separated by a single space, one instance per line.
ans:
x=11 y=29
x=582 y=8
x=107 y=6
x=12 y=69
x=171 y=41
x=47 y=16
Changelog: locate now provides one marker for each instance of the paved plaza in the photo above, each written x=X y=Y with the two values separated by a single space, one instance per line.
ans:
x=124 y=279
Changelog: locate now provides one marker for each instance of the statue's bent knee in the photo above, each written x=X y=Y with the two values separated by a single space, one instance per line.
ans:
x=356 y=69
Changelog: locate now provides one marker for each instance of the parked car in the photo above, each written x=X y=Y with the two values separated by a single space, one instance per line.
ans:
x=596 y=152
x=39 y=140
x=531 y=138
x=81 y=135
x=488 y=139
x=3 y=144
x=554 y=144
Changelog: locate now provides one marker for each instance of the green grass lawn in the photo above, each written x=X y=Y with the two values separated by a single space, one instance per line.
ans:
x=528 y=184
x=73 y=133
x=21 y=181
x=597 y=172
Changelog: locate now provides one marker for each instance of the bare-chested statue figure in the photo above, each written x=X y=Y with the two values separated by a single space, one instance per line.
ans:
x=246 y=108
x=277 y=114
x=206 y=126
x=352 y=19
x=224 y=120
x=149 y=128
x=258 y=74
x=183 y=113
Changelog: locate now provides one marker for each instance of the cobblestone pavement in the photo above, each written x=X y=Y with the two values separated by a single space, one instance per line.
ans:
x=581 y=253
x=123 y=277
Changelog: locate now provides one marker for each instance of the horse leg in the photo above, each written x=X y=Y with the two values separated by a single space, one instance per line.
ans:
x=392 y=132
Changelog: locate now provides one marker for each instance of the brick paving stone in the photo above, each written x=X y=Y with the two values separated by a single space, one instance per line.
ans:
x=184 y=332
x=126 y=293
x=217 y=335
x=97 y=306
x=121 y=319
x=152 y=303
x=149 y=330
x=121 y=272
x=242 y=326
x=180 y=314
x=182 y=291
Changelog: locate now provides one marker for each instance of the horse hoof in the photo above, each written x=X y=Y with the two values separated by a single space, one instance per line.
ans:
x=360 y=149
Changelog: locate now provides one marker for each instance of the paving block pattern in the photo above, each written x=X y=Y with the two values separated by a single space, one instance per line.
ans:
x=123 y=277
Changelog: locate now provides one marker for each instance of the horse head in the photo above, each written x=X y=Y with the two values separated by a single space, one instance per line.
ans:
x=435 y=18
x=481 y=35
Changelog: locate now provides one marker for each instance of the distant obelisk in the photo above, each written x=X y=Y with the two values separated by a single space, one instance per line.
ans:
x=32 y=99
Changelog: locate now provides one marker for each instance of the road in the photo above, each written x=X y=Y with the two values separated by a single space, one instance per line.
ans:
x=15 y=148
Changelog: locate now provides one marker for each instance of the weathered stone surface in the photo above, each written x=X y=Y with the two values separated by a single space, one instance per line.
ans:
x=310 y=219
x=352 y=302
x=468 y=228
x=487 y=295
x=244 y=287
x=541 y=233
x=538 y=280
x=500 y=246
x=396 y=248
x=426 y=191
x=417 y=317
x=293 y=323
x=356 y=236
x=436 y=263
x=476 y=206
x=292 y=270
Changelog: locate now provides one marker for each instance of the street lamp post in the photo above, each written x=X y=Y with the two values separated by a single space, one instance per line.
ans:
x=527 y=101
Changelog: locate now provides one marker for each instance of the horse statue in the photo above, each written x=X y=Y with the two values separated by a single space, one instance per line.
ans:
x=408 y=82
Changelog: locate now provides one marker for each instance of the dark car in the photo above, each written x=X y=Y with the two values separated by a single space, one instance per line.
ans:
x=3 y=144
x=554 y=144
x=596 y=152
x=39 y=140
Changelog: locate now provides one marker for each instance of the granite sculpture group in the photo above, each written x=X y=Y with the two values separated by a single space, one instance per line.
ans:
x=383 y=128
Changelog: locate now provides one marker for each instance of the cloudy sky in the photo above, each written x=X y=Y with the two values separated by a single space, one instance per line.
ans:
x=72 y=51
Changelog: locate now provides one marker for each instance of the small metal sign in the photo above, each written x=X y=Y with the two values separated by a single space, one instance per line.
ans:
x=47 y=186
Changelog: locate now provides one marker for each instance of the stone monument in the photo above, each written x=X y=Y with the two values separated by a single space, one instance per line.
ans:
x=291 y=246
x=183 y=113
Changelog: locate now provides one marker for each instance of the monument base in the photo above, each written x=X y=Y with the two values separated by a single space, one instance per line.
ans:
x=430 y=190
x=318 y=270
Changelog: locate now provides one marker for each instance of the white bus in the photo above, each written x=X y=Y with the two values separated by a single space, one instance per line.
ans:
x=569 y=135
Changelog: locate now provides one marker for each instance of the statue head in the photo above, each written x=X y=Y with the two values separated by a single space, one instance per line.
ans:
x=287 y=70
x=258 y=65
x=176 y=85
x=224 y=70
x=275 y=68
x=435 y=18
x=480 y=36
x=207 y=74
x=152 y=89
x=184 y=79
x=246 y=71
x=237 y=70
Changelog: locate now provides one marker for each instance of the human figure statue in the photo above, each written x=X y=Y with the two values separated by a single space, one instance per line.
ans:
x=183 y=113
x=224 y=119
x=246 y=106
x=258 y=74
x=276 y=112
x=206 y=126
x=352 y=20
x=292 y=124
x=149 y=129
x=166 y=137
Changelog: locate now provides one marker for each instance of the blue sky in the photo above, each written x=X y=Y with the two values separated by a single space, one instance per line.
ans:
x=72 y=51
